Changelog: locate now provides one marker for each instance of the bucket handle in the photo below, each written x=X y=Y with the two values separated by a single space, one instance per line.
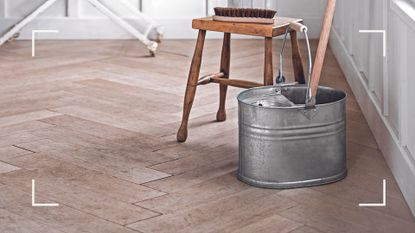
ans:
x=280 y=79
x=314 y=74
x=301 y=28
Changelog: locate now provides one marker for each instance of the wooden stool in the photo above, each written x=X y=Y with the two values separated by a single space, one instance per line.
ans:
x=222 y=78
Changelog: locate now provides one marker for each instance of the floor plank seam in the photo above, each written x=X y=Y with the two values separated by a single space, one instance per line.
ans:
x=155 y=211
x=149 y=199
x=128 y=181
x=22 y=148
x=157 y=164
x=145 y=219
x=93 y=215
x=163 y=178
x=127 y=227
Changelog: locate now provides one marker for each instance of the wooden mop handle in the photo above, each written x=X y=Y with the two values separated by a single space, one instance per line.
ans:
x=322 y=46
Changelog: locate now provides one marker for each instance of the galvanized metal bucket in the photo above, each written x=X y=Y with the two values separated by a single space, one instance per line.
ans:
x=294 y=135
x=289 y=147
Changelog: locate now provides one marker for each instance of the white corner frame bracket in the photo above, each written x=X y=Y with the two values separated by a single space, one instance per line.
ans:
x=383 y=204
x=34 y=32
x=14 y=31
x=34 y=204
x=143 y=37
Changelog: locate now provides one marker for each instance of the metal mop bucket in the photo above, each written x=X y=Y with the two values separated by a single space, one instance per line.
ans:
x=293 y=136
x=288 y=147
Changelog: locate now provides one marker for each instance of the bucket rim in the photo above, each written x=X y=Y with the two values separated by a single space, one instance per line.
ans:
x=302 y=106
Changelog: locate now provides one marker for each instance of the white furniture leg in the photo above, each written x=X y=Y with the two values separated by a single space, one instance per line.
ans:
x=151 y=45
x=143 y=37
x=16 y=28
x=151 y=24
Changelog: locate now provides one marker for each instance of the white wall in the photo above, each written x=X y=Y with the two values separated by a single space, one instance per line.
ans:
x=76 y=19
x=382 y=85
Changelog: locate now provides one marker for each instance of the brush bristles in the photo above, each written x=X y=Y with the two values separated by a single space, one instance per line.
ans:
x=245 y=12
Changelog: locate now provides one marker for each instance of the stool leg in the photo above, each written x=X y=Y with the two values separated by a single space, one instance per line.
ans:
x=296 y=57
x=224 y=68
x=191 y=85
x=268 y=66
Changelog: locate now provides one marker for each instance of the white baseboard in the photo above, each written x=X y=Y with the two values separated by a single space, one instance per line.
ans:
x=103 y=28
x=397 y=157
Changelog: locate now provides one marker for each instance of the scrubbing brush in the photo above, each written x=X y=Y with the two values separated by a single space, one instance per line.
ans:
x=244 y=15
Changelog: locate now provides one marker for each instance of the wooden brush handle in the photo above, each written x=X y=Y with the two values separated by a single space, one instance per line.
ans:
x=322 y=46
x=298 y=27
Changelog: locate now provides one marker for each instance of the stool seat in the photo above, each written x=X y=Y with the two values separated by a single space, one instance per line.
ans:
x=253 y=29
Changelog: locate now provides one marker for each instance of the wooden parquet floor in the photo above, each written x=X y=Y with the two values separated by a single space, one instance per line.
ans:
x=94 y=123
